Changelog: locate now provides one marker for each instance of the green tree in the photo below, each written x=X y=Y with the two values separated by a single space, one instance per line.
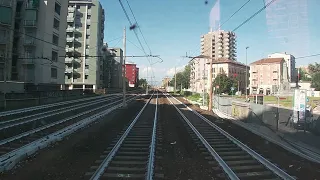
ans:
x=315 y=75
x=142 y=83
x=304 y=76
x=315 y=83
x=183 y=78
x=314 y=68
x=225 y=83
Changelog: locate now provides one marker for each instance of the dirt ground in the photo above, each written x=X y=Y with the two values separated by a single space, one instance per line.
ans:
x=72 y=157
x=291 y=163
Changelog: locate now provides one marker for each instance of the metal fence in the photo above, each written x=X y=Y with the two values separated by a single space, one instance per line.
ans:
x=259 y=114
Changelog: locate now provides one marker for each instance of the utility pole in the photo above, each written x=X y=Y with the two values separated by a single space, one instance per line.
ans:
x=210 y=86
x=175 y=79
x=147 y=81
x=204 y=84
x=247 y=72
x=124 y=104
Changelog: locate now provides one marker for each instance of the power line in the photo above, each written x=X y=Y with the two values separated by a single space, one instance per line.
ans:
x=235 y=12
x=312 y=55
x=230 y=18
x=252 y=16
x=125 y=12
x=139 y=27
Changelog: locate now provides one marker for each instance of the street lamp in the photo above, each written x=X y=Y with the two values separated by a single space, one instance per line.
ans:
x=247 y=72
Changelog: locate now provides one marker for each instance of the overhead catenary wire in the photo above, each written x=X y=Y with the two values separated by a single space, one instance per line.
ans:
x=235 y=13
x=252 y=16
x=139 y=27
x=126 y=14
x=238 y=10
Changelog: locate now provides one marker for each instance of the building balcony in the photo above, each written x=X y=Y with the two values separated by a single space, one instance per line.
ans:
x=68 y=70
x=71 y=9
x=68 y=60
x=70 y=19
x=88 y=22
x=86 y=71
x=6 y=3
x=72 y=50
x=32 y=5
x=27 y=61
x=30 y=23
x=29 y=42
x=71 y=29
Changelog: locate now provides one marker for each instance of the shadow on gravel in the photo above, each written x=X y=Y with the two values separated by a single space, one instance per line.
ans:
x=291 y=163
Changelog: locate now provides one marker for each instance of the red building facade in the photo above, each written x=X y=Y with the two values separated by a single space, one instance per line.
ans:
x=132 y=74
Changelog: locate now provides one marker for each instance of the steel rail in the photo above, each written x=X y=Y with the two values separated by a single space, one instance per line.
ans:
x=28 y=109
x=10 y=139
x=100 y=170
x=221 y=162
x=58 y=111
x=251 y=152
x=8 y=160
x=150 y=167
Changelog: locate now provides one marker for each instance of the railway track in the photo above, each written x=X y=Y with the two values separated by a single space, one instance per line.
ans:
x=133 y=152
x=23 y=136
x=7 y=115
x=236 y=159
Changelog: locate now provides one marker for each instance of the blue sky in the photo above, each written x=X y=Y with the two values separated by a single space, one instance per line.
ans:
x=173 y=27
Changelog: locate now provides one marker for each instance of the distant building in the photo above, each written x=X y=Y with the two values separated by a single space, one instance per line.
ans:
x=268 y=76
x=85 y=33
x=117 y=77
x=232 y=69
x=131 y=74
x=291 y=64
x=219 y=44
x=166 y=81
x=198 y=75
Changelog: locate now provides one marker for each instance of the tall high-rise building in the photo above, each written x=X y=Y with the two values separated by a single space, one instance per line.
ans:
x=85 y=33
x=32 y=40
x=219 y=44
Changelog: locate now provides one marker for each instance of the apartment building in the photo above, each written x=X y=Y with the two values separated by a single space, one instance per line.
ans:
x=132 y=74
x=198 y=75
x=291 y=64
x=267 y=76
x=232 y=69
x=219 y=44
x=117 y=74
x=85 y=33
x=166 y=81
x=33 y=52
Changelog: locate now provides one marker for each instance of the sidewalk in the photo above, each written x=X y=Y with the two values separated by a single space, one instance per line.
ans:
x=303 y=144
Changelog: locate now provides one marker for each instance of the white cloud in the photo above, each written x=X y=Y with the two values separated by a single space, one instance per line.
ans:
x=171 y=71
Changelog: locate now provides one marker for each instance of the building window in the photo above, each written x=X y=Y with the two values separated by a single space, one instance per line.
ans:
x=86 y=77
x=57 y=8
x=89 y=17
x=56 y=24
x=55 y=39
x=54 y=73
x=54 y=56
